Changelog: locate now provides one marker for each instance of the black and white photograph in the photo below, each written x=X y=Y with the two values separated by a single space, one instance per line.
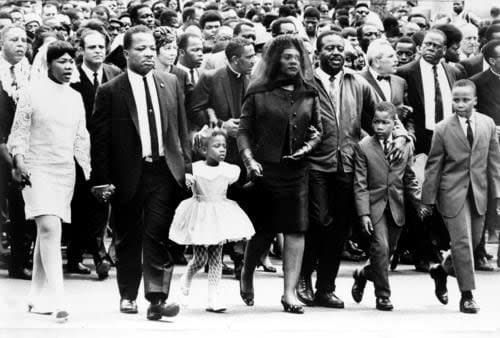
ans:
x=249 y=168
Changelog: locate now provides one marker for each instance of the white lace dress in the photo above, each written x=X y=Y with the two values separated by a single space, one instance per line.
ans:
x=209 y=217
x=49 y=130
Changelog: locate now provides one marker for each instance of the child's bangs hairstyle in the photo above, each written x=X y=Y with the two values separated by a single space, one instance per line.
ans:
x=206 y=133
x=387 y=107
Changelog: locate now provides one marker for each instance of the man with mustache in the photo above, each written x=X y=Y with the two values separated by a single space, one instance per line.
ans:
x=345 y=118
x=140 y=150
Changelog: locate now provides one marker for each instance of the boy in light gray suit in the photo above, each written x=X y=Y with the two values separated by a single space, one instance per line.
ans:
x=380 y=186
x=462 y=168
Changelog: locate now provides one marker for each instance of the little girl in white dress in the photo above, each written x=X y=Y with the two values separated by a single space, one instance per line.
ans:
x=209 y=219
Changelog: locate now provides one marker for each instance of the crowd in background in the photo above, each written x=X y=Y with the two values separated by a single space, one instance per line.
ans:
x=204 y=45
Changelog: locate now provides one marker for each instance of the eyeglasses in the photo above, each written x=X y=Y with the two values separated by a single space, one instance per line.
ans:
x=371 y=34
x=362 y=12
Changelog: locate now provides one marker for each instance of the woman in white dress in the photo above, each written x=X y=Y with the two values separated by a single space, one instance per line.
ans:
x=47 y=134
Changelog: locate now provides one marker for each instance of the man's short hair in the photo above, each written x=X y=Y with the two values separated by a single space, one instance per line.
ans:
x=166 y=16
x=86 y=32
x=494 y=11
x=408 y=40
x=189 y=13
x=129 y=34
x=489 y=49
x=183 y=41
x=464 y=83
x=319 y=39
x=386 y=106
x=312 y=12
x=276 y=25
x=376 y=49
x=439 y=32
x=238 y=28
x=134 y=12
x=492 y=30
x=236 y=46
x=418 y=15
x=453 y=34
x=7 y=29
x=210 y=16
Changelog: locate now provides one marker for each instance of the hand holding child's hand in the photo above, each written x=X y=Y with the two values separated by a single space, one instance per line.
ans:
x=366 y=225
x=424 y=211
x=498 y=206
x=189 y=181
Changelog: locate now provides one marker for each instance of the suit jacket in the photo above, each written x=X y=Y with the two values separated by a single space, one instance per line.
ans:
x=114 y=129
x=399 y=96
x=453 y=168
x=86 y=87
x=214 y=90
x=488 y=94
x=7 y=112
x=183 y=79
x=413 y=76
x=472 y=65
x=379 y=184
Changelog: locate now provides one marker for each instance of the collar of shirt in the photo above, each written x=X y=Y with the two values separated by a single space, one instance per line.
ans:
x=187 y=70
x=495 y=73
x=90 y=73
x=325 y=78
x=235 y=73
x=463 y=122
x=135 y=77
x=486 y=65
x=427 y=65
x=383 y=141
x=374 y=73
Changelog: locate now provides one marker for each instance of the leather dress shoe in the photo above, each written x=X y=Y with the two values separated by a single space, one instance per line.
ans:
x=154 y=311
x=21 y=274
x=128 y=306
x=238 y=265
x=78 y=268
x=422 y=266
x=482 y=264
x=179 y=258
x=170 y=309
x=162 y=309
x=384 y=304
x=468 y=305
x=328 y=299
x=358 y=288
x=439 y=276
x=226 y=270
x=305 y=291
x=102 y=269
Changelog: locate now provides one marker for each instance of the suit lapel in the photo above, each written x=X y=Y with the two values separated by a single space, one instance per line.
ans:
x=375 y=85
x=477 y=132
x=162 y=102
x=377 y=147
x=458 y=131
x=228 y=93
x=394 y=88
x=450 y=77
x=418 y=81
x=129 y=100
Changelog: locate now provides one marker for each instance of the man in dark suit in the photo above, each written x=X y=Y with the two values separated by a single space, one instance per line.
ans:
x=429 y=94
x=15 y=69
x=488 y=103
x=331 y=197
x=217 y=100
x=429 y=87
x=140 y=147
x=89 y=215
x=382 y=61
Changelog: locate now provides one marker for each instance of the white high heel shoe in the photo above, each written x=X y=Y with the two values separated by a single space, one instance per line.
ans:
x=213 y=304
x=60 y=316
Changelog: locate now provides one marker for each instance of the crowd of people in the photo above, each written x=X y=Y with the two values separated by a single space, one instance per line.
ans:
x=316 y=131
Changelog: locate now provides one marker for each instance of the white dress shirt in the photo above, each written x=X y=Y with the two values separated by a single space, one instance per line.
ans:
x=138 y=90
x=463 y=123
x=332 y=88
x=384 y=85
x=90 y=73
x=429 y=92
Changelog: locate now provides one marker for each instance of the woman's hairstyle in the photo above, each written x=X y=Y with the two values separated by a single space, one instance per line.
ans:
x=268 y=69
x=57 y=49
x=202 y=137
x=163 y=36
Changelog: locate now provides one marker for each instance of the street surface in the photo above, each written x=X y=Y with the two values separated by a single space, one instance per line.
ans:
x=93 y=307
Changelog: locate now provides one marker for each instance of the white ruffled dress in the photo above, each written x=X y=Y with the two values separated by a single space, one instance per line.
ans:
x=209 y=217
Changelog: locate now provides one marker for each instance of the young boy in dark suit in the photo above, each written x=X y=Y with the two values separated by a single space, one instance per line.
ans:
x=380 y=186
x=462 y=169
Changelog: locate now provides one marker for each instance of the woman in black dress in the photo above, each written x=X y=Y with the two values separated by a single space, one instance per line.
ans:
x=280 y=124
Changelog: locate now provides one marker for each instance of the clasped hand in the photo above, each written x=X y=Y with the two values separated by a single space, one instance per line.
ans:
x=103 y=192
x=21 y=176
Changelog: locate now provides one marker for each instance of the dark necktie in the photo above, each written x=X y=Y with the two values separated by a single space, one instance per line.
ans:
x=191 y=74
x=470 y=137
x=96 y=81
x=382 y=77
x=155 y=154
x=13 y=75
x=438 y=100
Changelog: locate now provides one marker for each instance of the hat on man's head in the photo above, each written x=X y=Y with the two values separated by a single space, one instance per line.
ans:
x=31 y=17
